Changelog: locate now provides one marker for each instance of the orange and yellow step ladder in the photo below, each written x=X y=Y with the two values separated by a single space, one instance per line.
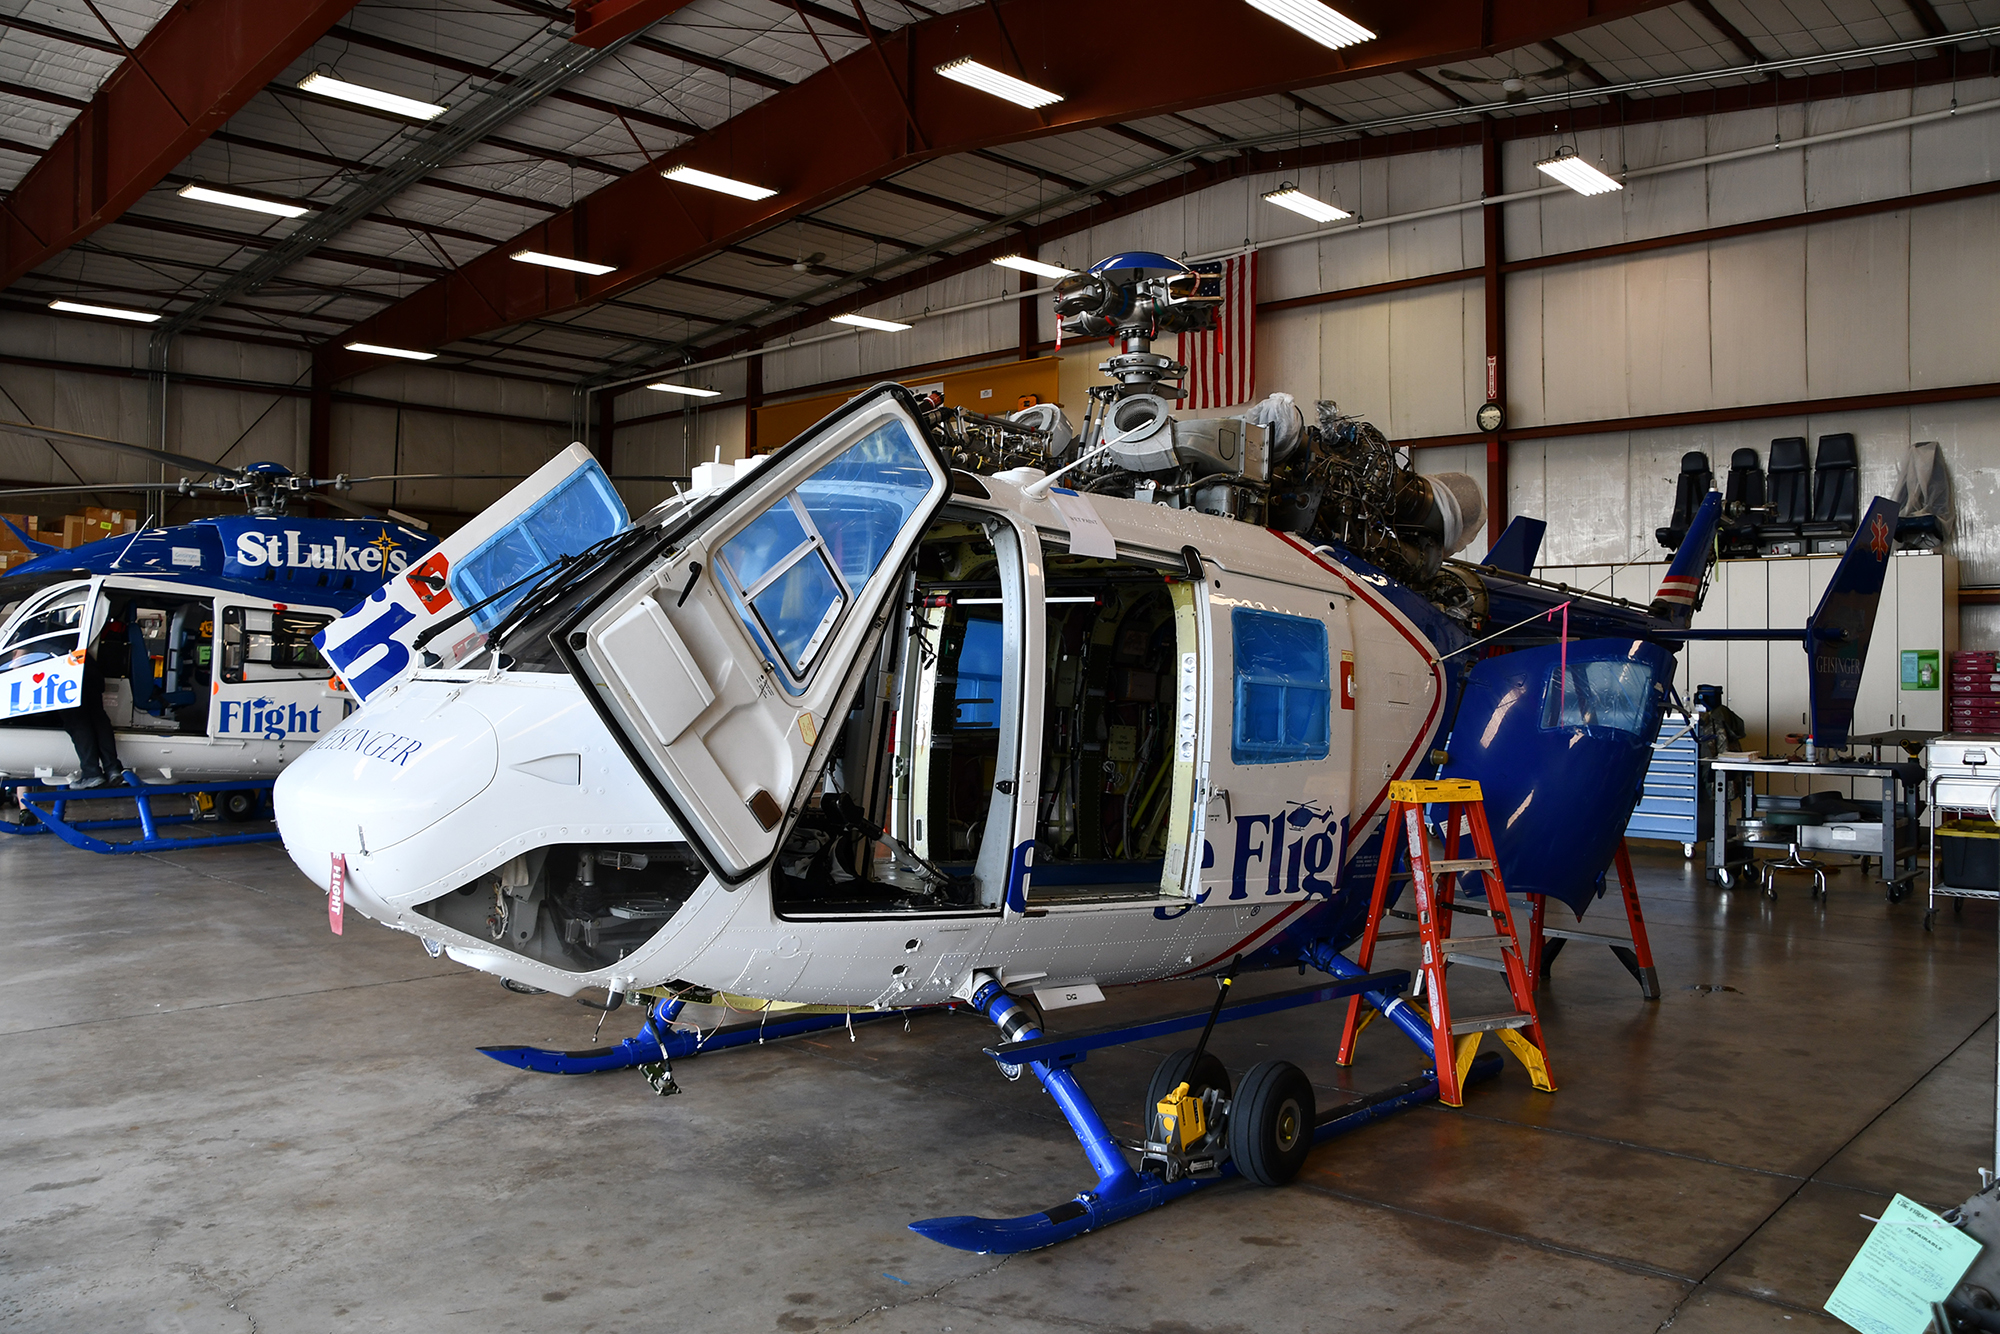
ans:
x=1633 y=950
x=1435 y=882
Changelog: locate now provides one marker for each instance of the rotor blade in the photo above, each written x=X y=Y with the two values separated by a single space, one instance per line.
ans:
x=429 y=477
x=142 y=451
x=86 y=488
x=352 y=507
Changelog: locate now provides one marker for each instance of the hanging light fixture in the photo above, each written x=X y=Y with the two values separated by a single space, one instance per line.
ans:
x=325 y=85
x=208 y=194
x=1034 y=266
x=1569 y=169
x=870 y=322
x=559 y=262
x=1298 y=201
x=986 y=79
x=376 y=349
x=720 y=184
x=108 y=312
x=692 y=391
x=1324 y=24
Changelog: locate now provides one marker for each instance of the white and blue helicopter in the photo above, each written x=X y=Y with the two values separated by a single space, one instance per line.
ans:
x=200 y=635
x=895 y=720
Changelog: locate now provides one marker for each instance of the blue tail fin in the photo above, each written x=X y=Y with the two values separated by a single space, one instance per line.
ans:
x=1517 y=548
x=1837 y=636
x=38 y=548
x=1680 y=587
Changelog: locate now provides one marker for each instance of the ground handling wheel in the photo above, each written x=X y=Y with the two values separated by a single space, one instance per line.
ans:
x=238 y=807
x=1271 y=1123
x=1210 y=1075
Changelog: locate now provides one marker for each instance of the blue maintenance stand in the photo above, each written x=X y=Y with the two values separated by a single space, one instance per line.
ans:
x=50 y=808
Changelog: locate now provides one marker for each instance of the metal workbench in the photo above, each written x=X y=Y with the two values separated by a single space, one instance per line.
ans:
x=1893 y=839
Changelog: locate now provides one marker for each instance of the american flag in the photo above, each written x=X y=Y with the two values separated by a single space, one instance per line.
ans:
x=1222 y=363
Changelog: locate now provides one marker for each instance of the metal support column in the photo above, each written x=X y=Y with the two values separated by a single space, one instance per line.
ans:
x=753 y=398
x=1496 y=330
x=319 y=431
x=607 y=429
x=157 y=349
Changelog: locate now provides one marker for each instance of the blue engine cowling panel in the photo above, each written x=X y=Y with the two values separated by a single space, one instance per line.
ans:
x=1561 y=762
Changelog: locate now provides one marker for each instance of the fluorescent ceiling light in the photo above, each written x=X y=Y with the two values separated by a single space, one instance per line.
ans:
x=558 y=262
x=1577 y=174
x=721 y=184
x=1034 y=266
x=343 y=91
x=972 y=74
x=110 y=312
x=1329 y=27
x=1298 y=201
x=870 y=322
x=248 y=203
x=380 y=351
x=690 y=390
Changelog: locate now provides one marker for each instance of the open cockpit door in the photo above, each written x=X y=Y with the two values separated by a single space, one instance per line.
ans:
x=42 y=648
x=722 y=662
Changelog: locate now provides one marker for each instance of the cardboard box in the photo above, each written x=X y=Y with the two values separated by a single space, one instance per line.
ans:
x=79 y=529
x=25 y=522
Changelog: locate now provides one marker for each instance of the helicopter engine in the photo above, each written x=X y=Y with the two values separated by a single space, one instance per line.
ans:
x=1336 y=481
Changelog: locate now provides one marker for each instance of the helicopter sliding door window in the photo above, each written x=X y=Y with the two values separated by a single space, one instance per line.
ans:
x=580 y=512
x=262 y=644
x=1284 y=688
x=794 y=569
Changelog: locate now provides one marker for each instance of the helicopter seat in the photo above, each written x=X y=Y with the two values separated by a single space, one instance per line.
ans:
x=1783 y=533
x=1695 y=483
x=1836 y=493
x=1742 y=500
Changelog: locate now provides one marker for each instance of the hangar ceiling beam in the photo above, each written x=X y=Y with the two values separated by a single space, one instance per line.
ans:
x=200 y=63
x=55 y=34
x=600 y=23
x=647 y=227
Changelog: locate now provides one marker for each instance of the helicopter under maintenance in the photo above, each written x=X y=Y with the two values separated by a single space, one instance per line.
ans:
x=937 y=707
x=204 y=632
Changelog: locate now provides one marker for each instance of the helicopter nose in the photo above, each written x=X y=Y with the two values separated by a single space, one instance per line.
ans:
x=387 y=773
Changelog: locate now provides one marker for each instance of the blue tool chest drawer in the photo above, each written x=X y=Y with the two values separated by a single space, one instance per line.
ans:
x=1671 y=808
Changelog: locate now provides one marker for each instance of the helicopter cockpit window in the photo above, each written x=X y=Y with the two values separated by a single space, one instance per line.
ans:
x=1617 y=695
x=795 y=568
x=49 y=629
x=902 y=822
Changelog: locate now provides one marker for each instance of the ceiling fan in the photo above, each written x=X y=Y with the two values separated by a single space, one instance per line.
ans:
x=800 y=265
x=1515 y=83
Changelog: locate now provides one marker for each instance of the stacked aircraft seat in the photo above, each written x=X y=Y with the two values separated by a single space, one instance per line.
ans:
x=1836 y=493
x=1742 y=503
x=1693 y=485
x=1790 y=495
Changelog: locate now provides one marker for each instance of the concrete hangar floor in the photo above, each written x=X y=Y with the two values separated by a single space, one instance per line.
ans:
x=219 y=1117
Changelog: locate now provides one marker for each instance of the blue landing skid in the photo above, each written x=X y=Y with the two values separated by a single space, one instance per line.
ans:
x=49 y=806
x=658 y=1040
x=1122 y=1192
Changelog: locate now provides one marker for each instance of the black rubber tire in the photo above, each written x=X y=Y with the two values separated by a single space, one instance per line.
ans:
x=237 y=807
x=1271 y=1123
x=1169 y=1074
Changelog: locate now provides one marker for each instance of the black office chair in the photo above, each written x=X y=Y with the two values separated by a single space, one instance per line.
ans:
x=1836 y=492
x=1790 y=497
x=1742 y=503
x=1695 y=483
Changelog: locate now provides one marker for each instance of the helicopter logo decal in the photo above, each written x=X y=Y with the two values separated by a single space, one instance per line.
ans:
x=295 y=549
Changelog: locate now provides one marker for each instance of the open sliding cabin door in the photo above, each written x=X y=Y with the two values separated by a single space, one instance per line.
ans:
x=722 y=663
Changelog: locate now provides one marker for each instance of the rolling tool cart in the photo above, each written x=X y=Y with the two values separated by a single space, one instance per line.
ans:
x=1964 y=781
